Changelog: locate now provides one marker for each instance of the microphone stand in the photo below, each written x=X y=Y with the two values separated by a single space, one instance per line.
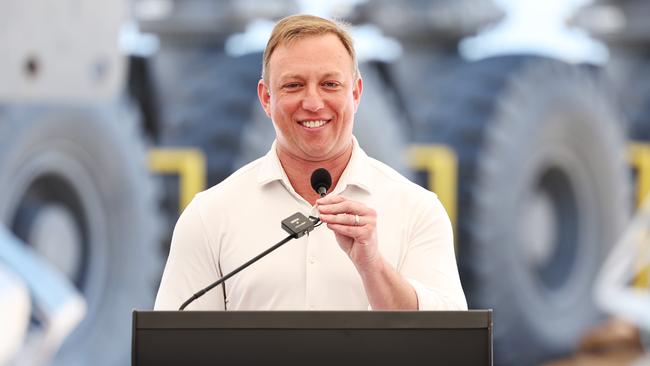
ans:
x=296 y=225
x=237 y=270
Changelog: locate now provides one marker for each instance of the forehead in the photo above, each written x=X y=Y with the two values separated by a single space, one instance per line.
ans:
x=322 y=53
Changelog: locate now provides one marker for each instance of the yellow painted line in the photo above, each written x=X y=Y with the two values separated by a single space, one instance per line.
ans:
x=642 y=279
x=441 y=164
x=187 y=163
x=642 y=270
x=639 y=159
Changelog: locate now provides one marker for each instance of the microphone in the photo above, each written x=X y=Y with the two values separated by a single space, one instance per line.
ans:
x=321 y=181
x=296 y=225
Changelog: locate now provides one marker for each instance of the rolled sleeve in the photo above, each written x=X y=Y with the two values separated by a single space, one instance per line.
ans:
x=430 y=262
x=430 y=299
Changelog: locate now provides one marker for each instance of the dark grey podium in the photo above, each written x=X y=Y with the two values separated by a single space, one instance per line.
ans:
x=312 y=338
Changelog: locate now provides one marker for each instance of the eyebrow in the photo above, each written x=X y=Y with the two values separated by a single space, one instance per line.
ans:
x=334 y=74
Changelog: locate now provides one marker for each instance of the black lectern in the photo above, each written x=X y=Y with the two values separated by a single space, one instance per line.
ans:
x=450 y=338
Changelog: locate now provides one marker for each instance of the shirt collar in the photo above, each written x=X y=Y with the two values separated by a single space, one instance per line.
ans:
x=356 y=173
x=271 y=168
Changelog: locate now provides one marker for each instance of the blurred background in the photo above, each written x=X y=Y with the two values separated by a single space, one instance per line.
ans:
x=529 y=119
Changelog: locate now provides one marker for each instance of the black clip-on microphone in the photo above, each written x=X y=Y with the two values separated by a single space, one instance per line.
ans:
x=321 y=181
x=297 y=225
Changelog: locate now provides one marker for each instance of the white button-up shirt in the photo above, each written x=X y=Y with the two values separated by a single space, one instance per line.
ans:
x=240 y=217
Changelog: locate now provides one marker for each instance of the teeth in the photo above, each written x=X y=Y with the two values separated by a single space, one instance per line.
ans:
x=313 y=124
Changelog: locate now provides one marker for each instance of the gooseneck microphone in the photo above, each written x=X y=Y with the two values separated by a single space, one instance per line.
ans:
x=321 y=181
x=296 y=225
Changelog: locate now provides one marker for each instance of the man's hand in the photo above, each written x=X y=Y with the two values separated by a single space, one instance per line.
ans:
x=355 y=227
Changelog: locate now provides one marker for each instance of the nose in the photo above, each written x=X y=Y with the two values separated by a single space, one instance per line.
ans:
x=312 y=100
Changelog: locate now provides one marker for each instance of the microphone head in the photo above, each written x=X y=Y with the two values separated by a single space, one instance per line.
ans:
x=321 y=181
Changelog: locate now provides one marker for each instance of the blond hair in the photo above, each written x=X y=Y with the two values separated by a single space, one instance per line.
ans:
x=296 y=27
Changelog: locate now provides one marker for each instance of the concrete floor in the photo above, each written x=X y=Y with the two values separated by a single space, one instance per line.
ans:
x=613 y=343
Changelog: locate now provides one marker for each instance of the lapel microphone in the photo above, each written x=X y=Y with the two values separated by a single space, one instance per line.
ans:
x=321 y=181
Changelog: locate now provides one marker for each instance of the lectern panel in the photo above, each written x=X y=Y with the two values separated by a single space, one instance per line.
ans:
x=312 y=338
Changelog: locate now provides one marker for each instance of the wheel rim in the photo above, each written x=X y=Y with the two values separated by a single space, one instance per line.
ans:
x=550 y=224
x=554 y=268
x=50 y=218
x=52 y=187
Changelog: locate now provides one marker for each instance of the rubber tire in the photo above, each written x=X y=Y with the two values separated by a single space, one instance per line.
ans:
x=97 y=152
x=523 y=124
x=207 y=98
x=638 y=90
x=379 y=126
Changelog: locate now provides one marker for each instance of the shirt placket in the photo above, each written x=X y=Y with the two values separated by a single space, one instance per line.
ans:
x=311 y=268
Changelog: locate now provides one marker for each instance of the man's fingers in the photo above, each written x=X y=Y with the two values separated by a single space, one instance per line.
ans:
x=335 y=208
x=330 y=199
x=350 y=207
x=347 y=219
x=349 y=231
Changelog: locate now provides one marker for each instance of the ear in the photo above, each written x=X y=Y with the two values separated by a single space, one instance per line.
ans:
x=264 y=95
x=357 y=89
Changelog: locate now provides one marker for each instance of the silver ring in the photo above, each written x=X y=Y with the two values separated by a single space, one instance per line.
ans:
x=357 y=222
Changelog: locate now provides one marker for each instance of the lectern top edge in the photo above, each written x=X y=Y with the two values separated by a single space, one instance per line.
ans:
x=313 y=319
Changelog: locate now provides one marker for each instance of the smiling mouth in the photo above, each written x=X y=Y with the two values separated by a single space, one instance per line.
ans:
x=314 y=123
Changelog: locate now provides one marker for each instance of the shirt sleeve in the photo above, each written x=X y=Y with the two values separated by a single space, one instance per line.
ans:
x=430 y=262
x=191 y=266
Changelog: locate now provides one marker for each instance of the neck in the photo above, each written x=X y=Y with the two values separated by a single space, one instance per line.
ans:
x=299 y=170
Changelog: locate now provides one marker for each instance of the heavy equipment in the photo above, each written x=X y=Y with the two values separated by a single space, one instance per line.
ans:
x=76 y=187
x=536 y=145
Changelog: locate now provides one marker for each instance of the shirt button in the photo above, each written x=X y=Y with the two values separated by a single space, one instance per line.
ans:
x=312 y=260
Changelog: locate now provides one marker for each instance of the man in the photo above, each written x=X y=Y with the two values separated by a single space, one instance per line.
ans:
x=395 y=244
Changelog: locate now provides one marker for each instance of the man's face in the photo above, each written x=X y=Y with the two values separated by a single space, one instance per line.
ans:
x=314 y=94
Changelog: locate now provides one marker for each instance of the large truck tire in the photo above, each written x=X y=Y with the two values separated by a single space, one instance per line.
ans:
x=76 y=188
x=543 y=195
x=207 y=98
x=379 y=125
x=639 y=109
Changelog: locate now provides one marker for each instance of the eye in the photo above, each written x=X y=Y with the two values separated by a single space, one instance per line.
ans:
x=331 y=84
x=291 y=86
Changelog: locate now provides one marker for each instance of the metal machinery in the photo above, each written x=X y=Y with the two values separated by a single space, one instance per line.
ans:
x=73 y=174
x=543 y=187
x=542 y=192
x=623 y=26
